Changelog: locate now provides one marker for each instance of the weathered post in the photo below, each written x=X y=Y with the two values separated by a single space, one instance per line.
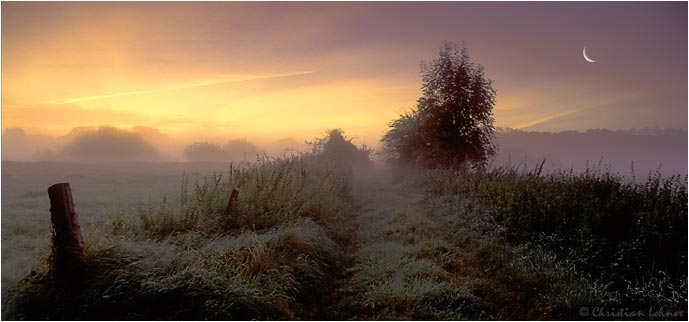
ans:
x=230 y=203
x=68 y=245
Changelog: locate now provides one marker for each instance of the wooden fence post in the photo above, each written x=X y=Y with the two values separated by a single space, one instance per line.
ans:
x=230 y=203
x=68 y=245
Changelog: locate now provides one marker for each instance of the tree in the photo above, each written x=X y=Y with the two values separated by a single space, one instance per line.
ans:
x=335 y=145
x=240 y=150
x=204 y=151
x=107 y=144
x=452 y=123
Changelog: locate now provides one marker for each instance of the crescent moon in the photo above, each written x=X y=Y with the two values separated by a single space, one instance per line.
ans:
x=587 y=57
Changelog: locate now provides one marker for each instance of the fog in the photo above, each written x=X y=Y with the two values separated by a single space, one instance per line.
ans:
x=137 y=144
x=18 y=145
x=644 y=150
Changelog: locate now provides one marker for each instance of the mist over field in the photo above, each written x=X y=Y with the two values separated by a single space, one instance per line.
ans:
x=136 y=144
x=344 y=161
x=331 y=233
x=640 y=150
x=643 y=150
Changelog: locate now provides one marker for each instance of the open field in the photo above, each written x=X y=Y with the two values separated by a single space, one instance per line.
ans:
x=532 y=166
x=100 y=191
x=313 y=238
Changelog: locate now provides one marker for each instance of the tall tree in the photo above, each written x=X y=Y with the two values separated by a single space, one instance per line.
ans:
x=453 y=121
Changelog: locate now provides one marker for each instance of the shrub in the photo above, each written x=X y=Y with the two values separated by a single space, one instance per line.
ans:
x=336 y=146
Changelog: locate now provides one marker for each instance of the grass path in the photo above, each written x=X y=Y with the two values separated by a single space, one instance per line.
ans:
x=380 y=246
x=425 y=259
x=402 y=265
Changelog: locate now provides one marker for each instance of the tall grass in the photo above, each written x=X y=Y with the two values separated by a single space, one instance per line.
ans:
x=274 y=256
x=628 y=238
x=270 y=192
x=303 y=240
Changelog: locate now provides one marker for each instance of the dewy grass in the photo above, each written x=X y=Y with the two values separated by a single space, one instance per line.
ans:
x=403 y=265
x=306 y=239
x=100 y=192
x=272 y=257
x=270 y=193
x=251 y=275
x=623 y=242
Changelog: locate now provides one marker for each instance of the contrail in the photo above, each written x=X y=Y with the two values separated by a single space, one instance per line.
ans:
x=182 y=86
x=606 y=103
x=548 y=118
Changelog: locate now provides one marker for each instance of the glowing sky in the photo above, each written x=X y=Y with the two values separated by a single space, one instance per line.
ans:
x=276 y=70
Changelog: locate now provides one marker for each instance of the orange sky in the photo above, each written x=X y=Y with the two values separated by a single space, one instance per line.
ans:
x=267 y=71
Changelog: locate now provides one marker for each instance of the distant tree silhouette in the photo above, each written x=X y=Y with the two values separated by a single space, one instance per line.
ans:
x=204 y=151
x=233 y=150
x=336 y=146
x=241 y=150
x=108 y=143
x=452 y=123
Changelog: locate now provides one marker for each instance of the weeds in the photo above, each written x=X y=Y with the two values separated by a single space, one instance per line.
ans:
x=304 y=241
x=624 y=242
x=270 y=193
x=272 y=257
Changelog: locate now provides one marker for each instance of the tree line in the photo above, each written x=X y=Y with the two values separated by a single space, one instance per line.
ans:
x=451 y=125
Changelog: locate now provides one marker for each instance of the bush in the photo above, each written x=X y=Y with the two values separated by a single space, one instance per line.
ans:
x=335 y=146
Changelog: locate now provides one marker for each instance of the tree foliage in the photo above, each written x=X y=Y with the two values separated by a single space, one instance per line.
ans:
x=107 y=144
x=242 y=149
x=233 y=150
x=452 y=123
x=204 y=151
x=336 y=145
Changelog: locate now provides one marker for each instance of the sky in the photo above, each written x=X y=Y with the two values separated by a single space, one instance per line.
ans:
x=268 y=71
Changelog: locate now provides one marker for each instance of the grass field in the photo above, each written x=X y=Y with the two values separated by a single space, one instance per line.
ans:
x=314 y=238
x=100 y=191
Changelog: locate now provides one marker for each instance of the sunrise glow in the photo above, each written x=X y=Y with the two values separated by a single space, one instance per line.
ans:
x=294 y=70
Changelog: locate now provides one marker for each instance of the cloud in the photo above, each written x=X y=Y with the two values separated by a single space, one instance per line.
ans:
x=208 y=82
x=549 y=118
x=619 y=102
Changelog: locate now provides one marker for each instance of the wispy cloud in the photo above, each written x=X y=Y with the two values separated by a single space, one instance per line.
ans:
x=549 y=118
x=617 y=101
x=207 y=82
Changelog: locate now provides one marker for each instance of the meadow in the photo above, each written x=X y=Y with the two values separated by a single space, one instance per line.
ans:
x=322 y=236
x=100 y=191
